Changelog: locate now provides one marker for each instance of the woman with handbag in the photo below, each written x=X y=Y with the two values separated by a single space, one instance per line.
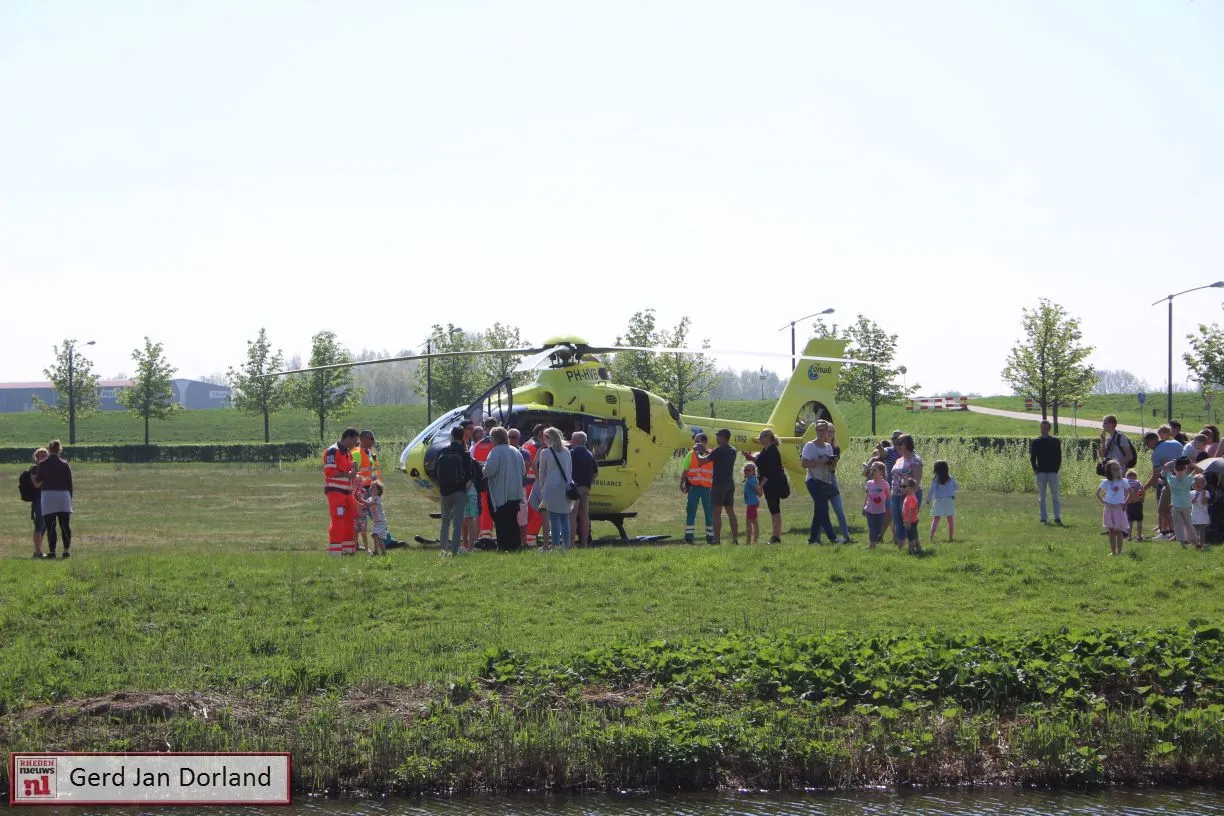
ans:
x=555 y=486
x=774 y=483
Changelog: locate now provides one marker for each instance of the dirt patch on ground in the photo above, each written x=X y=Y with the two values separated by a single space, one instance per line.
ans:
x=396 y=701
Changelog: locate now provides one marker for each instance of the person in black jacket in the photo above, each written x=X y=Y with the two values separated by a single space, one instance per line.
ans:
x=773 y=479
x=53 y=477
x=454 y=476
x=1045 y=454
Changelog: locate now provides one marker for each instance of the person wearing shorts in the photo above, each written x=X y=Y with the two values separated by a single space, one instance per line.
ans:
x=36 y=516
x=722 y=492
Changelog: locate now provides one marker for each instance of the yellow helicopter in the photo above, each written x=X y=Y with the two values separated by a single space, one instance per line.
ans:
x=631 y=432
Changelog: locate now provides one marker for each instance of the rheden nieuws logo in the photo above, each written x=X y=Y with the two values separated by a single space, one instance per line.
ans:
x=166 y=779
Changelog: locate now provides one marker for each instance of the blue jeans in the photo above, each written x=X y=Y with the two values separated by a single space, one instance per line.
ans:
x=836 y=503
x=1050 y=479
x=559 y=530
x=820 y=511
x=875 y=527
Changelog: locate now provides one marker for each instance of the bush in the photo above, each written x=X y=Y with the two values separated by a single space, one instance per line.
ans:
x=277 y=452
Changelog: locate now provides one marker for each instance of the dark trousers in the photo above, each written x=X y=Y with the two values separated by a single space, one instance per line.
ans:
x=505 y=523
x=819 y=492
x=65 y=528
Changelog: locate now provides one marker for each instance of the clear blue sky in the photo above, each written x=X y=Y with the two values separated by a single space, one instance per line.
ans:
x=196 y=170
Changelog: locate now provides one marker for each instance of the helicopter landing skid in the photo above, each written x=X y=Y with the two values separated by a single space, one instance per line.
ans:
x=618 y=521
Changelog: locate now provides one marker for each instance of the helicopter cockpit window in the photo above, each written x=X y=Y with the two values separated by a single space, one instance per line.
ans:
x=607 y=441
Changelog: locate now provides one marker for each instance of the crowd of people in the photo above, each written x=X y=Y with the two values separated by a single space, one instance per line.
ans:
x=523 y=494
x=494 y=487
x=1183 y=496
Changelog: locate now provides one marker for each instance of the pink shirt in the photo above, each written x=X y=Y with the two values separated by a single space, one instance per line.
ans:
x=877 y=497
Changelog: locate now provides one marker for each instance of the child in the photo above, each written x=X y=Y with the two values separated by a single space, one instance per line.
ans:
x=1179 y=481
x=378 y=520
x=878 y=493
x=1200 y=499
x=909 y=514
x=942 y=498
x=362 y=524
x=1134 y=506
x=471 y=519
x=1112 y=492
x=752 y=502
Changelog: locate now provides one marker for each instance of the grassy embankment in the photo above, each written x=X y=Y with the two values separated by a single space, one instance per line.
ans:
x=200 y=614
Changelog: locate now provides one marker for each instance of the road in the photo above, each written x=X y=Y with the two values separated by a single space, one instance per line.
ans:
x=1069 y=422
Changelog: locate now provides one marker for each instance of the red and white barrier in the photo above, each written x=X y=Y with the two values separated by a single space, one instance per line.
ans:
x=938 y=404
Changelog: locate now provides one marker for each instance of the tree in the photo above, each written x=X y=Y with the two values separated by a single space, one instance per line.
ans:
x=329 y=392
x=388 y=383
x=493 y=368
x=877 y=384
x=77 y=400
x=684 y=377
x=450 y=381
x=1118 y=381
x=251 y=391
x=151 y=394
x=1049 y=365
x=638 y=368
x=1206 y=359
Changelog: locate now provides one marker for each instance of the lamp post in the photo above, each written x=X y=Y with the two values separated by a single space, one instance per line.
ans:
x=72 y=393
x=1216 y=285
x=792 y=328
x=429 y=372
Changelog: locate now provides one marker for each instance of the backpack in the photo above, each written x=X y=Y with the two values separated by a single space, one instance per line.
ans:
x=452 y=471
x=25 y=486
x=1123 y=444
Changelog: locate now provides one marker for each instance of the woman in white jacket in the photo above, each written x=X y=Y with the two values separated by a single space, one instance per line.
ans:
x=555 y=472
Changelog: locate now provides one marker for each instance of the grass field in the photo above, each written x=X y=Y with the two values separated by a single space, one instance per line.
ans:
x=396 y=424
x=199 y=612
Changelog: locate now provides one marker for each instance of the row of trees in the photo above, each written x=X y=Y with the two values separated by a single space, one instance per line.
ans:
x=1049 y=364
x=150 y=395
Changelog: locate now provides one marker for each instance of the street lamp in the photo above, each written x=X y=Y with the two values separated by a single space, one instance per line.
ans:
x=72 y=393
x=1216 y=285
x=429 y=373
x=792 y=328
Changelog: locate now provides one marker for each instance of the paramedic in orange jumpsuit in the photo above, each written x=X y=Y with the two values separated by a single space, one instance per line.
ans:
x=480 y=452
x=338 y=478
x=537 y=522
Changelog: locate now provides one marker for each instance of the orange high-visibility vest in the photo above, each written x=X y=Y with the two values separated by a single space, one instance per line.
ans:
x=533 y=448
x=700 y=474
x=367 y=467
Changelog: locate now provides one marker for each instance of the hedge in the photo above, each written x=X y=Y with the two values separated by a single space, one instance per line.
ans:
x=277 y=452
x=1084 y=445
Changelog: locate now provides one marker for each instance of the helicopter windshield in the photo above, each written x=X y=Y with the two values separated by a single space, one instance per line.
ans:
x=447 y=420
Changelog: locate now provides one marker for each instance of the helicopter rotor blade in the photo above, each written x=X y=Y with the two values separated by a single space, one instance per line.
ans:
x=399 y=359
x=737 y=352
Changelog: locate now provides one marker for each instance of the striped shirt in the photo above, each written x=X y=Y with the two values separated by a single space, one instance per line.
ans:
x=378 y=519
